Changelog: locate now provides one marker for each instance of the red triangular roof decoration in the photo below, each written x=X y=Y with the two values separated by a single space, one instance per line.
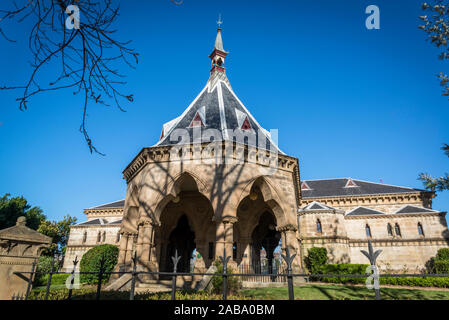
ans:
x=197 y=121
x=246 y=125
x=305 y=186
x=350 y=183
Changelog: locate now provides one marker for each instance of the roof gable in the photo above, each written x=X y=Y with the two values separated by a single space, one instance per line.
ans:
x=414 y=209
x=363 y=211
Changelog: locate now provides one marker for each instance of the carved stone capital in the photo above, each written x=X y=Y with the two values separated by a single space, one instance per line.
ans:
x=229 y=219
x=287 y=227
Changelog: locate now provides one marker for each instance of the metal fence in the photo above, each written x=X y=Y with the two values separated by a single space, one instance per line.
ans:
x=280 y=274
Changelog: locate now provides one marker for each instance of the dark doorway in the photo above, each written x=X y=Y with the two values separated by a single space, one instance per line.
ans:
x=182 y=239
x=264 y=237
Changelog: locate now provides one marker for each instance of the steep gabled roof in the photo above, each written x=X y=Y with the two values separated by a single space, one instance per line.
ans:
x=338 y=187
x=363 y=211
x=217 y=107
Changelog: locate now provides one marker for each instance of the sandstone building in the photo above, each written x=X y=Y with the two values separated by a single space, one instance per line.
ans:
x=217 y=181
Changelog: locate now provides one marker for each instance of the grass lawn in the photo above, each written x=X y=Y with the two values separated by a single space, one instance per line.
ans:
x=333 y=292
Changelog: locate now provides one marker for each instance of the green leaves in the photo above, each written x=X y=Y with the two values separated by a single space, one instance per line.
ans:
x=91 y=262
x=440 y=183
x=12 y=208
x=58 y=231
x=316 y=258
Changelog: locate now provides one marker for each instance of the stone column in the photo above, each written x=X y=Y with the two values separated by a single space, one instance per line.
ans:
x=123 y=246
x=130 y=249
x=225 y=236
x=289 y=240
x=245 y=250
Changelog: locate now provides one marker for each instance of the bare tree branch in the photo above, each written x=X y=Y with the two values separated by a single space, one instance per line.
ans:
x=88 y=56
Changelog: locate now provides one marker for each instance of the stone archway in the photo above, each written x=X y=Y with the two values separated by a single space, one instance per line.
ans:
x=264 y=237
x=185 y=224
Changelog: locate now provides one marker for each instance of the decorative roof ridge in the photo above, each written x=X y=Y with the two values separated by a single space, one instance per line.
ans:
x=252 y=117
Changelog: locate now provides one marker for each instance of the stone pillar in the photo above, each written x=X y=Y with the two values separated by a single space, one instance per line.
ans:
x=225 y=236
x=123 y=246
x=289 y=240
x=245 y=250
x=130 y=249
x=139 y=245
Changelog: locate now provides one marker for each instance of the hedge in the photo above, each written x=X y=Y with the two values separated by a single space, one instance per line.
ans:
x=439 y=282
x=347 y=268
x=56 y=279
x=90 y=294
x=90 y=262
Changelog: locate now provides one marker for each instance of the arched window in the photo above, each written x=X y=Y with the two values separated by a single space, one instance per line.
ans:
x=390 y=230
x=99 y=236
x=84 y=236
x=118 y=237
x=420 y=229
x=368 y=231
x=104 y=236
x=397 y=230
x=319 y=228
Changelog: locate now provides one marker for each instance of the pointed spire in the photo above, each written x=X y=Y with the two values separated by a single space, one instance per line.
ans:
x=219 y=40
x=218 y=55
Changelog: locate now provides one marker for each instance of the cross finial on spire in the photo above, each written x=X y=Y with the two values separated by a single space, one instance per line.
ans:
x=219 y=22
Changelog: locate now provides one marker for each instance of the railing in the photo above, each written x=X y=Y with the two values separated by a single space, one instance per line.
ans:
x=263 y=273
x=286 y=275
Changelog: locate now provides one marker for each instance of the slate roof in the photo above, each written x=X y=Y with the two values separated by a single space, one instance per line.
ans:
x=363 y=211
x=93 y=222
x=336 y=187
x=219 y=109
x=115 y=204
x=413 y=209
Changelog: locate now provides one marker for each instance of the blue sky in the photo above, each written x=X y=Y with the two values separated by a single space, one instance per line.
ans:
x=348 y=102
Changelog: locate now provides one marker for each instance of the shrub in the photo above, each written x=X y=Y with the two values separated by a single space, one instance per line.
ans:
x=443 y=254
x=441 y=266
x=90 y=262
x=233 y=284
x=347 y=268
x=44 y=265
x=316 y=258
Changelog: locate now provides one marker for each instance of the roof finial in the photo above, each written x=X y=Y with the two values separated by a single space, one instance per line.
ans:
x=219 y=22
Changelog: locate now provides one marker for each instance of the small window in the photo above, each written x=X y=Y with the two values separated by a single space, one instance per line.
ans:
x=99 y=236
x=420 y=229
x=397 y=229
x=104 y=236
x=211 y=250
x=118 y=237
x=390 y=230
x=234 y=251
x=319 y=229
x=368 y=231
x=84 y=236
